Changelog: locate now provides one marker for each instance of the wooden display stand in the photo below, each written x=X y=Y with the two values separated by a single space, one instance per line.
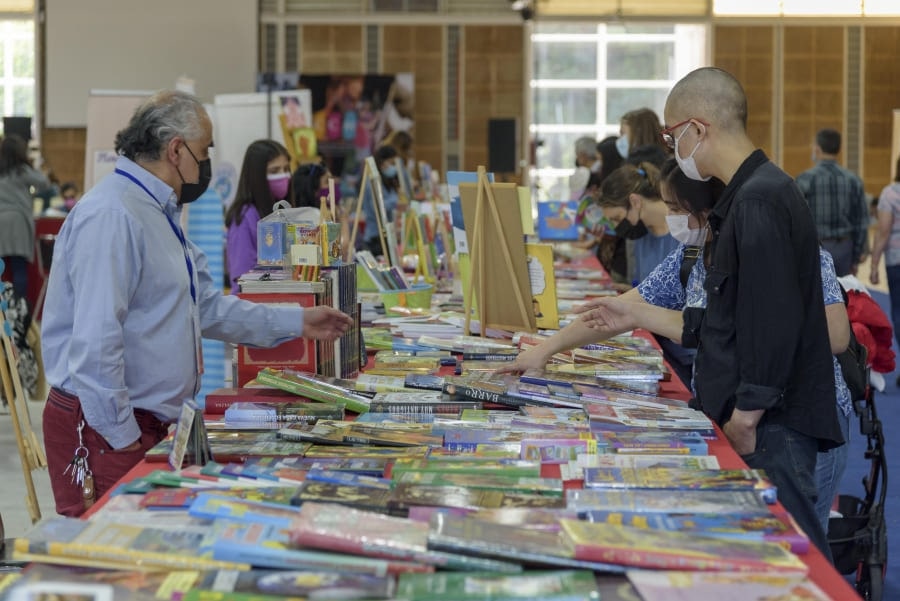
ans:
x=497 y=254
x=31 y=453
x=371 y=180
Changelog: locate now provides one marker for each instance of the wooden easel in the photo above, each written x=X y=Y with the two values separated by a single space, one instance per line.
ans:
x=371 y=180
x=31 y=453
x=413 y=230
x=488 y=222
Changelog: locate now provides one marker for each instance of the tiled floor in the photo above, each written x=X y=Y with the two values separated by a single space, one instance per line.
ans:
x=13 y=506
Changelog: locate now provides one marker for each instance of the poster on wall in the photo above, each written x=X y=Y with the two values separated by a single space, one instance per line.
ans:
x=242 y=118
x=353 y=114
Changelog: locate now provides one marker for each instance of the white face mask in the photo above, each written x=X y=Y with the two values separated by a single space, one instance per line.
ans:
x=595 y=168
x=689 y=165
x=680 y=229
x=622 y=146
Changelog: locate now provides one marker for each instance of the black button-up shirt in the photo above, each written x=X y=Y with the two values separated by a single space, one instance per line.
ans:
x=764 y=339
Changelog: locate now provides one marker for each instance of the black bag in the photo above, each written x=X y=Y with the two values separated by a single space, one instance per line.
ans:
x=854 y=367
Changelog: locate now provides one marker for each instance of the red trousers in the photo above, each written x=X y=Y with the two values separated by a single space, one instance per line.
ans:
x=62 y=415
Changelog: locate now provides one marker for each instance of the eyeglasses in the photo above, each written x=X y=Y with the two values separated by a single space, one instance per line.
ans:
x=666 y=134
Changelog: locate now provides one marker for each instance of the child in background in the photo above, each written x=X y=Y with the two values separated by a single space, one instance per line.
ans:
x=69 y=193
x=310 y=185
x=265 y=179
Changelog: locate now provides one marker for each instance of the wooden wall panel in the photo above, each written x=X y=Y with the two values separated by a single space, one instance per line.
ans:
x=748 y=52
x=63 y=149
x=493 y=86
x=814 y=96
x=419 y=49
x=881 y=94
x=338 y=49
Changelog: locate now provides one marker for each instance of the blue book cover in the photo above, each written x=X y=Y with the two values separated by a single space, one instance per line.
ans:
x=348 y=478
x=454 y=179
x=244 y=511
x=267 y=546
x=556 y=220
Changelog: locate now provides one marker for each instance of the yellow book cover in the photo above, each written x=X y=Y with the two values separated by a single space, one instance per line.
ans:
x=543 y=285
x=109 y=544
x=658 y=549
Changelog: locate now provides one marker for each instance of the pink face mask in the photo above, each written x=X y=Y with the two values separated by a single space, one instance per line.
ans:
x=278 y=185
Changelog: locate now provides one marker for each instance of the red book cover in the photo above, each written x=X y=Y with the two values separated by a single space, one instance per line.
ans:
x=298 y=354
x=221 y=399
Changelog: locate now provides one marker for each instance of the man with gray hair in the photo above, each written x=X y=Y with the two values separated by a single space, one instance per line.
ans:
x=587 y=161
x=130 y=298
x=837 y=199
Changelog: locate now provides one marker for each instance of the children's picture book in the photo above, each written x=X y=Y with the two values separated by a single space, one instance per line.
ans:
x=221 y=399
x=108 y=544
x=310 y=386
x=657 y=501
x=405 y=496
x=664 y=478
x=536 y=548
x=267 y=546
x=539 y=486
x=357 y=532
x=543 y=285
x=212 y=506
x=689 y=586
x=312 y=585
x=419 y=402
x=547 y=585
x=236 y=446
x=365 y=466
x=556 y=220
x=360 y=497
x=349 y=478
x=466 y=465
x=694 y=462
x=668 y=550
x=280 y=413
x=772 y=527
x=655 y=442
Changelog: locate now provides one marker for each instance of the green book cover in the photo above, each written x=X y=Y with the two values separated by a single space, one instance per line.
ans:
x=550 y=585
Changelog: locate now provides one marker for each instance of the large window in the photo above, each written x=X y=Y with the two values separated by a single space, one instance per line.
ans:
x=17 y=68
x=586 y=76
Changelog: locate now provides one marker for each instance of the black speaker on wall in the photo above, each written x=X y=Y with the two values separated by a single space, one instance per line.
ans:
x=503 y=145
x=20 y=126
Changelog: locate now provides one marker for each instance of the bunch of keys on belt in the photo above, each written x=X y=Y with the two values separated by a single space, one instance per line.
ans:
x=80 y=471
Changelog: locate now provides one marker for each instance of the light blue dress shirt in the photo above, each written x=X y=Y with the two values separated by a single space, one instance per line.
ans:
x=123 y=318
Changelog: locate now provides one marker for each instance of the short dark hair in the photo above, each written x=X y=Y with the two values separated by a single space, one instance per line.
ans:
x=829 y=140
x=306 y=184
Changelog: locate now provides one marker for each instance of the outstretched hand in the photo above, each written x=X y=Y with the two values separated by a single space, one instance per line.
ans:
x=532 y=358
x=325 y=323
x=607 y=312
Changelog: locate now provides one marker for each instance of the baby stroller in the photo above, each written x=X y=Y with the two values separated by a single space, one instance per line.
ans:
x=858 y=539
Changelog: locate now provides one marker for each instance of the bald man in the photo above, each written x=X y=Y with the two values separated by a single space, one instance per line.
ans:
x=763 y=370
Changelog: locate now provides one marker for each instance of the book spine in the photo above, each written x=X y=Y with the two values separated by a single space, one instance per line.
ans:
x=489 y=356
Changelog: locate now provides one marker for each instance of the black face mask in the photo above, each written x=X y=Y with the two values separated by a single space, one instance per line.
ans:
x=191 y=192
x=630 y=231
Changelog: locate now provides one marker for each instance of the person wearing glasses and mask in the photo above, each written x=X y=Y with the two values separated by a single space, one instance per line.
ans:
x=129 y=299
x=763 y=369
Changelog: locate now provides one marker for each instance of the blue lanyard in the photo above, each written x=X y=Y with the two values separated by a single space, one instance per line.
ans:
x=178 y=233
